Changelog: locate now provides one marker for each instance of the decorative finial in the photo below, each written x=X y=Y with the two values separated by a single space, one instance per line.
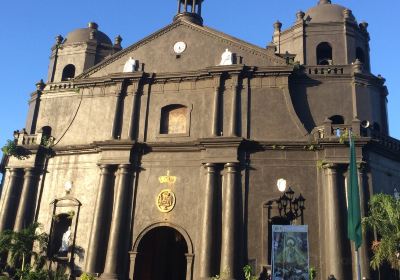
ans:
x=300 y=15
x=348 y=14
x=324 y=2
x=93 y=25
x=59 y=39
x=278 y=26
x=364 y=26
x=117 y=41
x=40 y=85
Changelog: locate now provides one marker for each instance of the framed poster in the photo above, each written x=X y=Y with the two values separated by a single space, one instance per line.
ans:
x=290 y=253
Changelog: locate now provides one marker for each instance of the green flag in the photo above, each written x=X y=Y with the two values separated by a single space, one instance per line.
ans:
x=353 y=196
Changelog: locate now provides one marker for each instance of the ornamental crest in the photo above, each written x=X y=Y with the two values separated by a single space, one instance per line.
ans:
x=169 y=180
x=165 y=201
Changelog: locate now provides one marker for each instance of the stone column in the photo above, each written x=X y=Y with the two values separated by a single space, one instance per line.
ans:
x=10 y=199
x=229 y=246
x=333 y=226
x=215 y=126
x=119 y=225
x=27 y=203
x=363 y=250
x=234 y=111
x=208 y=225
x=99 y=220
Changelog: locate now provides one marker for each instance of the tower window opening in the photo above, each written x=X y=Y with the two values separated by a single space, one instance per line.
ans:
x=337 y=119
x=174 y=119
x=360 y=55
x=324 y=54
x=68 y=72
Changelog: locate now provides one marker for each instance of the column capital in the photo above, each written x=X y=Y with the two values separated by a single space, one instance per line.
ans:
x=30 y=171
x=231 y=166
x=332 y=166
x=124 y=168
x=13 y=170
x=210 y=166
x=105 y=168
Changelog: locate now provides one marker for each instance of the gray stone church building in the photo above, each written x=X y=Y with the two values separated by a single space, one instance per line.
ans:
x=161 y=160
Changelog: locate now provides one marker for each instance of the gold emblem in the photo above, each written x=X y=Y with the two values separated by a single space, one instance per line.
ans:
x=169 y=180
x=165 y=201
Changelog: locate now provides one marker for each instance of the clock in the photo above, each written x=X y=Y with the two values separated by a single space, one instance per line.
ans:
x=179 y=47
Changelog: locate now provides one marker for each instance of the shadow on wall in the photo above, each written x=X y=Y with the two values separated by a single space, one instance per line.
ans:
x=298 y=93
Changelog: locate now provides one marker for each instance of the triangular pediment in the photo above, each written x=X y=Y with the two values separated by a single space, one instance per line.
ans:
x=204 y=47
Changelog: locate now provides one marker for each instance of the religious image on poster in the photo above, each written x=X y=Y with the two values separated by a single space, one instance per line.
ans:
x=290 y=259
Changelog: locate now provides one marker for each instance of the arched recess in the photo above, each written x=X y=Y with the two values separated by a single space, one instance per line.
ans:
x=68 y=72
x=174 y=119
x=324 y=54
x=337 y=119
x=62 y=222
x=189 y=255
x=164 y=224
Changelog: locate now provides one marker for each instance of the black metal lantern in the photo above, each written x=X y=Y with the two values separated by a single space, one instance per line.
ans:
x=289 y=206
x=290 y=193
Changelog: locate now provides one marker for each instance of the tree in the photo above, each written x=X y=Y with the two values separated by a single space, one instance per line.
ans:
x=384 y=219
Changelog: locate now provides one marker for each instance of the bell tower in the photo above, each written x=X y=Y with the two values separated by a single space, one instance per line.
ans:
x=189 y=10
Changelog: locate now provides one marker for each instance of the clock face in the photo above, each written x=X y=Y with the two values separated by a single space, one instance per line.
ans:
x=179 y=47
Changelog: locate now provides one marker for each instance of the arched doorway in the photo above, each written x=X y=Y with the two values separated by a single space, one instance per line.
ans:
x=161 y=255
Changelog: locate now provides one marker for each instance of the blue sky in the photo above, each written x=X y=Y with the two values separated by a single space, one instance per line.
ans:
x=28 y=29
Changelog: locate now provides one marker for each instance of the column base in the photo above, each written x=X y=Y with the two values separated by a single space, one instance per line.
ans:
x=109 y=276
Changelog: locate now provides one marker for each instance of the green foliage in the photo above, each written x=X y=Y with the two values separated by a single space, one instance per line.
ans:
x=13 y=150
x=248 y=273
x=31 y=274
x=86 y=276
x=344 y=137
x=312 y=273
x=321 y=163
x=384 y=218
x=47 y=141
x=9 y=149
x=26 y=246
x=19 y=245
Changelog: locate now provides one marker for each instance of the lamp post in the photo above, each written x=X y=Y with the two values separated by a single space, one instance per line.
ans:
x=291 y=207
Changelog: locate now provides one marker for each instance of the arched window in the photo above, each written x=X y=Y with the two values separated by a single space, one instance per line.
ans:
x=360 y=55
x=174 y=119
x=68 y=72
x=46 y=130
x=324 y=54
x=62 y=223
x=337 y=119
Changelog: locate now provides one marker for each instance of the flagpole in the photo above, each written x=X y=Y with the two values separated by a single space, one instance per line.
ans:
x=358 y=265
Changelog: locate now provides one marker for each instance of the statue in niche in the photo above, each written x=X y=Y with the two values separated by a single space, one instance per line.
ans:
x=130 y=66
x=66 y=238
x=226 y=58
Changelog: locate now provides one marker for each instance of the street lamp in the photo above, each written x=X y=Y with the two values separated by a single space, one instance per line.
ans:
x=289 y=206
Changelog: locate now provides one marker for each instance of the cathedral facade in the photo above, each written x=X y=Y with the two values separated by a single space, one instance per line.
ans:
x=161 y=160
